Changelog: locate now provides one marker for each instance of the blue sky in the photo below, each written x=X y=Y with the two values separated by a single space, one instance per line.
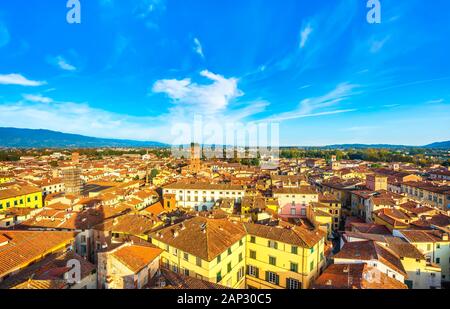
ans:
x=135 y=69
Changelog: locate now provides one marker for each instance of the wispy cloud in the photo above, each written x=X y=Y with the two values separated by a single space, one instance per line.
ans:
x=37 y=98
x=18 y=79
x=313 y=107
x=198 y=47
x=62 y=63
x=78 y=118
x=437 y=101
x=304 y=35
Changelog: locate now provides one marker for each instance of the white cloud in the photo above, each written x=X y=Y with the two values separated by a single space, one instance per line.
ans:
x=37 y=98
x=312 y=107
x=203 y=99
x=198 y=47
x=63 y=64
x=18 y=79
x=304 y=35
x=437 y=101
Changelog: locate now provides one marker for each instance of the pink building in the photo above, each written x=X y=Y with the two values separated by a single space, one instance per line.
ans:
x=293 y=210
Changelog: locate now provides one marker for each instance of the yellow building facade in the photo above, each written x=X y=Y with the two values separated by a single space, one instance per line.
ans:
x=20 y=197
x=249 y=260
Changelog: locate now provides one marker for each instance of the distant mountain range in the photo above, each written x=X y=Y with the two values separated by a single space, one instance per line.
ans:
x=440 y=145
x=30 y=138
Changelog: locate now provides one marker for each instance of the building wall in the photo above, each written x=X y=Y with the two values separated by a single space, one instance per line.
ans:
x=437 y=252
x=301 y=199
x=190 y=198
x=33 y=200
x=310 y=262
x=421 y=276
x=441 y=201
x=176 y=261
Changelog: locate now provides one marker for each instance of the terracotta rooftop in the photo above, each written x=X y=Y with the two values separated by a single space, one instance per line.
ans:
x=355 y=276
x=202 y=237
x=295 y=235
x=370 y=250
x=136 y=257
x=24 y=247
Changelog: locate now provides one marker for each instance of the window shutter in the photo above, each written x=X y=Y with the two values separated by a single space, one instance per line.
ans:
x=248 y=270
x=267 y=276
x=277 y=279
x=257 y=272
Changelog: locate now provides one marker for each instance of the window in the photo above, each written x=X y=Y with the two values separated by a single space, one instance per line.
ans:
x=293 y=284
x=186 y=272
x=321 y=256
x=241 y=243
x=229 y=267
x=311 y=266
x=438 y=246
x=219 y=259
x=253 y=254
x=438 y=260
x=240 y=257
x=312 y=250
x=253 y=271
x=272 y=260
x=186 y=256
x=175 y=252
x=175 y=268
x=294 y=267
x=199 y=262
x=273 y=244
x=229 y=251
x=219 y=277
x=272 y=277
x=294 y=250
x=240 y=273
x=252 y=239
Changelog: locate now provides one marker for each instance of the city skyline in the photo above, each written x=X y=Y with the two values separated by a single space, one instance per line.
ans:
x=321 y=70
